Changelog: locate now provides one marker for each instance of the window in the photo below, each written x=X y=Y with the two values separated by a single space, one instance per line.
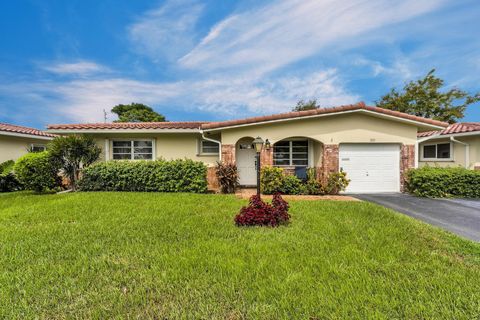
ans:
x=38 y=148
x=437 y=151
x=132 y=149
x=209 y=147
x=291 y=153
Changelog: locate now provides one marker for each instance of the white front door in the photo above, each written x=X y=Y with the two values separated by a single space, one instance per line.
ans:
x=247 y=173
x=371 y=167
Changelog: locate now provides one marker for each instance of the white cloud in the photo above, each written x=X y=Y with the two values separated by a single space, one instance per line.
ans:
x=75 y=68
x=401 y=68
x=84 y=100
x=239 y=60
x=287 y=31
x=167 y=32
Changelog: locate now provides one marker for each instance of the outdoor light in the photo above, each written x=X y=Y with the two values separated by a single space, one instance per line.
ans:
x=258 y=143
x=267 y=144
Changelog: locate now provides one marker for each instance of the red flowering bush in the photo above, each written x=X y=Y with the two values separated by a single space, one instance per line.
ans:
x=259 y=213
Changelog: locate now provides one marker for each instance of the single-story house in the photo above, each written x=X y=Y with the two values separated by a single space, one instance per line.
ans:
x=15 y=141
x=457 y=145
x=373 y=145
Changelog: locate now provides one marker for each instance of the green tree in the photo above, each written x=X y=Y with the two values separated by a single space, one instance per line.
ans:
x=136 y=112
x=423 y=98
x=72 y=154
x=306 y=105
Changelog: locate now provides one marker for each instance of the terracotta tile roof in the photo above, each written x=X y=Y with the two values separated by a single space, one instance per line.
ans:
x=128 y=125
x=24 y=130
x=461 y=127
x=321 y=111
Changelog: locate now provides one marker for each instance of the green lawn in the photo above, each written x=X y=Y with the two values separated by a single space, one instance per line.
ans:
x=147 y=255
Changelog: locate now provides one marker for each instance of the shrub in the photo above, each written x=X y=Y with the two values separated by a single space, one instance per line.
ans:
x=37 y=172
x=74 y=153
x=259 y=213
x=312 y=186
x=271 y=180
x=336 y=182
x=292 y=185
x=8 y=180
x=227 y=175
x=149 y=176
x=443 y=182
x=7 y=166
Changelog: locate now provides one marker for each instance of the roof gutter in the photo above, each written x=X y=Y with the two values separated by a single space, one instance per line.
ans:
x=216 y=141
x=467 y=151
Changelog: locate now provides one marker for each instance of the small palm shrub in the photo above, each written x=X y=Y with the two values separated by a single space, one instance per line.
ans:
x=38 y=172
x=72 y=154
x=8 y=180
x=259 y=213
x=313 y=186
x=227 y=175
x=7 y=166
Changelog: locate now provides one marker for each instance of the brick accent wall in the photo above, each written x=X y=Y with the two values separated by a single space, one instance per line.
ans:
x=407 y=161
x=330 y=161
x=212 y=181
x=266 y=157
x=228 y=153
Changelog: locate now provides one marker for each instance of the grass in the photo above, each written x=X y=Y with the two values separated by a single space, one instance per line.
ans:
x=146 y=255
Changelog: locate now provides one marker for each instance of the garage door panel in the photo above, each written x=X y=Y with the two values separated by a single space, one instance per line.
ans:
x=371 y=167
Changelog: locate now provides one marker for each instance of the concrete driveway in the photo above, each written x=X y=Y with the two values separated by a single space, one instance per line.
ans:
x=459 y=216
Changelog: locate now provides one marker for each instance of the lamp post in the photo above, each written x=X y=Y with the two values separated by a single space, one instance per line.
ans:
x=258 y=144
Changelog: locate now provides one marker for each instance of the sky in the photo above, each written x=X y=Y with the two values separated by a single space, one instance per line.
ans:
x=67 y=61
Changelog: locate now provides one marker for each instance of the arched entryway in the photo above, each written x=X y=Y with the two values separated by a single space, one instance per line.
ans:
x=245 y=159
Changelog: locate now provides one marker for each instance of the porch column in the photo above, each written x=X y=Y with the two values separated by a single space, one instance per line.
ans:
x=329 y=160
x=228 y=153
x=407 y=161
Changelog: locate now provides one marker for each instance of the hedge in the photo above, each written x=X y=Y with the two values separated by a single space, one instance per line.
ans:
x=437 y=182
x=145 y=176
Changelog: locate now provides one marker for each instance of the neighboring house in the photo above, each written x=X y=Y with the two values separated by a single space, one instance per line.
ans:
x=457 y=145
x=373 y=145
x=15 y=141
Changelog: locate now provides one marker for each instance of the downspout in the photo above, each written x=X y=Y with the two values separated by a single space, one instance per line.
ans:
x=467 y=151
x=216 y=141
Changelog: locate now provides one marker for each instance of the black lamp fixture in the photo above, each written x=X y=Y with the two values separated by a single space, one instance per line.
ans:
x=267 y=144
x=258 y=144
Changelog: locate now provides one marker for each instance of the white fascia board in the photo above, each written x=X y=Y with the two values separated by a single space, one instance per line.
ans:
x=376 y=114
x=68 y=131
x=24 y=135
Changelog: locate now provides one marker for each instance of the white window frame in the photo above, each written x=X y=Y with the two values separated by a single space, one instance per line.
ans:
x=200 y=148
x=38 y=145
x=309 y=148
x=422 y=158
x=132 y=156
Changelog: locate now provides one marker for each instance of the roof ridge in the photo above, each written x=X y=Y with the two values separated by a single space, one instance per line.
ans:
x=318 y=111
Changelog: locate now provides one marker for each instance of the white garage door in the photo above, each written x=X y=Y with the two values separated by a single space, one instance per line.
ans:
x=371 y=167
